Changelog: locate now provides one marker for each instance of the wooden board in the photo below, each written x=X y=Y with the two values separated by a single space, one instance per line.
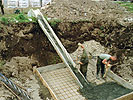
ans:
x=128 y=96
x=119 y=80
x=61 y=82
x=60 y=49
x=44 y=83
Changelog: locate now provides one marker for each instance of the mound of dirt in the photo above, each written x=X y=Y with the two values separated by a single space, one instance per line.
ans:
x=27 y=39
x=19 y=71
x=19 y=67
x=117 y=38
x=30 y=41
x=109 y=34
x=102 y=21
x=92 y=10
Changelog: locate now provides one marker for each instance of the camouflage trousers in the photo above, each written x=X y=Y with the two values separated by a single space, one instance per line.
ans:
x=83 y=69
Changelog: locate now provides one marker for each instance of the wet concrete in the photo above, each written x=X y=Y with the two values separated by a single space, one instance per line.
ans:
x=106 y=91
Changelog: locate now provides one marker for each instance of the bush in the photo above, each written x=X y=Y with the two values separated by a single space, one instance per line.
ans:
x=20 y=17
x=4 y=20
x=23 y=18
x=54 y=22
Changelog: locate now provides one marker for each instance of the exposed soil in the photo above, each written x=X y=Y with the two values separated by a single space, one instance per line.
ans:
x=77 y=10
x=23 y=45
x=107 y=89
x=27 y=40
x=19 y=70
x=36 y=46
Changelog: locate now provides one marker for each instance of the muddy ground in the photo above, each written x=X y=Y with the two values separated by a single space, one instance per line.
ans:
x=23 y=45
x=29 y=40
x=32 y=43
x=106 y=88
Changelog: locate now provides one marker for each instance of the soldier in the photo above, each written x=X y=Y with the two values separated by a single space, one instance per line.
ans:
x=103 y=59
x=2 y=7
x=83 y=62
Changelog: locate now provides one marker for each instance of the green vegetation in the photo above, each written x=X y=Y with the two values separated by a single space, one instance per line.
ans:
x=2 y=63
x=127 y=5
x=101 y=28
x=4 y=20
x=16 y=18
x=23 y=18
x=54 y=22
x=20 y=18
x=46 y=17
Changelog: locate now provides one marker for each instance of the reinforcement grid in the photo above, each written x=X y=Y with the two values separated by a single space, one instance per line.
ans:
x=63 y=84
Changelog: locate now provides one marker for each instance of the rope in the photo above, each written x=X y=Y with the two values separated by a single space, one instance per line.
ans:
x=11 y=90
x=14 y=88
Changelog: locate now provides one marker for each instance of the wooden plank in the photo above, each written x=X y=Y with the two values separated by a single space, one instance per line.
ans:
x=58 y=41
x=51 y=67
x=116 y=78
x=128 y=96
x=119 y=80
x=54 y=39
x=62 y=83
x=44 y=82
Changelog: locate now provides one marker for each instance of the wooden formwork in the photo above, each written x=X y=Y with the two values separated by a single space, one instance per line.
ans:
x=60 y=82
x=35 y=71
x=53 y=68
x=128 y=96
x=64 y=55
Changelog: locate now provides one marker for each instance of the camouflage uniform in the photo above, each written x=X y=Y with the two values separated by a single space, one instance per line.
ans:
x=83 y=67
x=2 y=7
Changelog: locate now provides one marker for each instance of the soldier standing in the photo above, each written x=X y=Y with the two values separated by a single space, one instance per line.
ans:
x=83 y=62
x=2 y=7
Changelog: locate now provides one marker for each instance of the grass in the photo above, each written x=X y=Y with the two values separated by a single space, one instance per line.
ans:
x=16 y=18
x=127 y=5
x=54 y=22
x=20 y=18
x=4 y=20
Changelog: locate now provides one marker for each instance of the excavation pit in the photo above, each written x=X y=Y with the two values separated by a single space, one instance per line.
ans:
x=28 y=40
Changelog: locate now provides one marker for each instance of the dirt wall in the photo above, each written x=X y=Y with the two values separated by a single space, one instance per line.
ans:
x=28 y=39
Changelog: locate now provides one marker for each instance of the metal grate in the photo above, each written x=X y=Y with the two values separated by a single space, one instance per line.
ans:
x=63 y=84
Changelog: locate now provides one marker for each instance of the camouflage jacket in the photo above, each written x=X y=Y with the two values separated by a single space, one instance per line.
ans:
x=84 y=58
